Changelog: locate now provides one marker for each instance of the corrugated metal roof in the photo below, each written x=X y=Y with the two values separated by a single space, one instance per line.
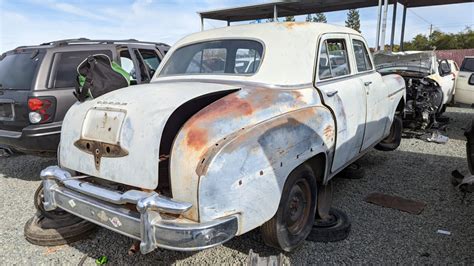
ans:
x=294 y=8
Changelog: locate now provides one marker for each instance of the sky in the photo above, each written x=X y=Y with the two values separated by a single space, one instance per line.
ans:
x=28 y=22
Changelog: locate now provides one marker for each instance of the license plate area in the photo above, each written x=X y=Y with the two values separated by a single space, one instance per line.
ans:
x=103 y=125
x=7 y=112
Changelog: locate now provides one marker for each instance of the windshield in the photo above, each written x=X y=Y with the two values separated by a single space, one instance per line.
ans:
x=231 y=57
x=468 y=65
x=17 y=70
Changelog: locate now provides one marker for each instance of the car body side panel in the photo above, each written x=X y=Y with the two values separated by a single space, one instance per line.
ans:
x=223 y=120
x=396 y=92
x=464 y=91
x=246 y=175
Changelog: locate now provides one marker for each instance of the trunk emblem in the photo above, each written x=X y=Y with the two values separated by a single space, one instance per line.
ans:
x=100 y=149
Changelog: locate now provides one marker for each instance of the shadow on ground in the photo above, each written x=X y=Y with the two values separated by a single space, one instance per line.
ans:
x=25 y=167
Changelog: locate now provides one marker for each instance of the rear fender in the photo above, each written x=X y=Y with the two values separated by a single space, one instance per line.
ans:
x=246 y=173
x=225 y=119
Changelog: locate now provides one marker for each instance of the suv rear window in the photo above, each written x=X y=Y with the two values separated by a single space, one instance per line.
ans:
x=468 y=65
x=215 y=57
x=64 y=73
x=18 y=70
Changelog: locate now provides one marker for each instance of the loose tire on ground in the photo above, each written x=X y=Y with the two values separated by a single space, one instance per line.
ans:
x=295 y=215
x=52 y=228
x=331 y=231
x=392 y=141
x=36 y=234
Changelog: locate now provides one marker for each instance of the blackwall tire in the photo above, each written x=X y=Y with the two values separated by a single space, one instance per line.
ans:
x=470 y=147
x=336 y=231
x=294 y=218
x=393 y=140
x=37 y=235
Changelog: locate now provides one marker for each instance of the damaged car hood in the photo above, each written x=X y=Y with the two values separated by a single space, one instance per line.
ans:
x=404 y=61
x=117 y=136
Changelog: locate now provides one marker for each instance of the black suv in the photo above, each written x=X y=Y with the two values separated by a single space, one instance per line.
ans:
x=41 y=80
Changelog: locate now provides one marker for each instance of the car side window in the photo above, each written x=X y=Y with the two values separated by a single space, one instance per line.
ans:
x=362 y=56
x=333 y=59
x=444 y=67
x=64 y=72
x=127 y=64
x=144 y=71
x=151 y=59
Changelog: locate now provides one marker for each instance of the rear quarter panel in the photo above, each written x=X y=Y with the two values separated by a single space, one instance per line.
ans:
x=234 y=155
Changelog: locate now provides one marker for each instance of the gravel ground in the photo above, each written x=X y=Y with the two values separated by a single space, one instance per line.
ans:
x=417 y=170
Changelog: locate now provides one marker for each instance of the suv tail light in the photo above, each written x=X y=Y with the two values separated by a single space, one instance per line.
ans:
x=41 y=109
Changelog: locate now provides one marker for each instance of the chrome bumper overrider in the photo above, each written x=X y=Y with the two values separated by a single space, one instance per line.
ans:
x=107 y=208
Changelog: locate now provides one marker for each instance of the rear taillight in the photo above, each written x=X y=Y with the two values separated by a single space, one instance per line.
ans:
x=41 y=109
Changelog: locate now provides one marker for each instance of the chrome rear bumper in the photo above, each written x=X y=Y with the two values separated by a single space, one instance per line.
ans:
x=106 y=208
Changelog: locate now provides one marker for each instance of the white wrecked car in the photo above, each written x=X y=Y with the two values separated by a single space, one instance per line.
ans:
x=206 y=152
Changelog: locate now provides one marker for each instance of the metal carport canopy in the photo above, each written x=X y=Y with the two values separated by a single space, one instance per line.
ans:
x=294 y=8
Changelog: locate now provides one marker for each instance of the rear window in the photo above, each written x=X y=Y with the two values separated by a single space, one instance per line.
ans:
x=468 y=65
x=64 y=71
x=215 y=57
x=18 y=70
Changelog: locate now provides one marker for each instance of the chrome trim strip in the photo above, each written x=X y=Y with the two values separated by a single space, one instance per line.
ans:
x=397 y=91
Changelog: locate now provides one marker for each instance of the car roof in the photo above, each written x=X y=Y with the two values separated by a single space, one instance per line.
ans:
x=297 y=41
x=85 y=41
x=305 y=30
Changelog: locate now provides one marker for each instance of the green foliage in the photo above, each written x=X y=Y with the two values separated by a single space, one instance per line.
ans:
x=442 y=41
x=318 y=17
x=290 y=18
x=353 y=19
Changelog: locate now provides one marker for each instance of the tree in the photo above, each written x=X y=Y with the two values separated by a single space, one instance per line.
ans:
x=442 y=41
x=353 y=19
x=290 y=18
x=320 y=17
x=419 y=42
x=309 y=18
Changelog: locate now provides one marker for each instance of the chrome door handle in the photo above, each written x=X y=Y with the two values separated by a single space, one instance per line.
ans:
x=331 y=93
x=367 y=83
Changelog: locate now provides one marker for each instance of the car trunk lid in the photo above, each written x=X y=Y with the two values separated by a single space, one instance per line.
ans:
x=117 y=136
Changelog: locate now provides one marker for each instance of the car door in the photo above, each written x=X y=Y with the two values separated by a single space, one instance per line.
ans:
x=447 y=79
x=376 y=91
x=148 y=61
x=343 y=94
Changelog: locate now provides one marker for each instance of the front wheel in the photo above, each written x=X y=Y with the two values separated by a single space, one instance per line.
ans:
x=295 y=215
x=393 y=140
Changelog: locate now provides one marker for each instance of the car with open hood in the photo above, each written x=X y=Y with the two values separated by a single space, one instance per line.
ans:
x=429 y=82
x=207 y=151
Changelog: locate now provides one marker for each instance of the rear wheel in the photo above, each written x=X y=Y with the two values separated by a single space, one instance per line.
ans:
x=295 y=215
x=393 y=140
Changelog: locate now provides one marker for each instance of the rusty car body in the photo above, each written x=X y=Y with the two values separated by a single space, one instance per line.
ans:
x=203 y=153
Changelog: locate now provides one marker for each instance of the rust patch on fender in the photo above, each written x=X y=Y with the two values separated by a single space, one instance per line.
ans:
x=196 y=138
x=329 y=131
x=231 y=105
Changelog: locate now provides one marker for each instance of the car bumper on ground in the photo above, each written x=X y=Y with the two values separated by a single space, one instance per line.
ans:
x=42 y=138
x=155 y=222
